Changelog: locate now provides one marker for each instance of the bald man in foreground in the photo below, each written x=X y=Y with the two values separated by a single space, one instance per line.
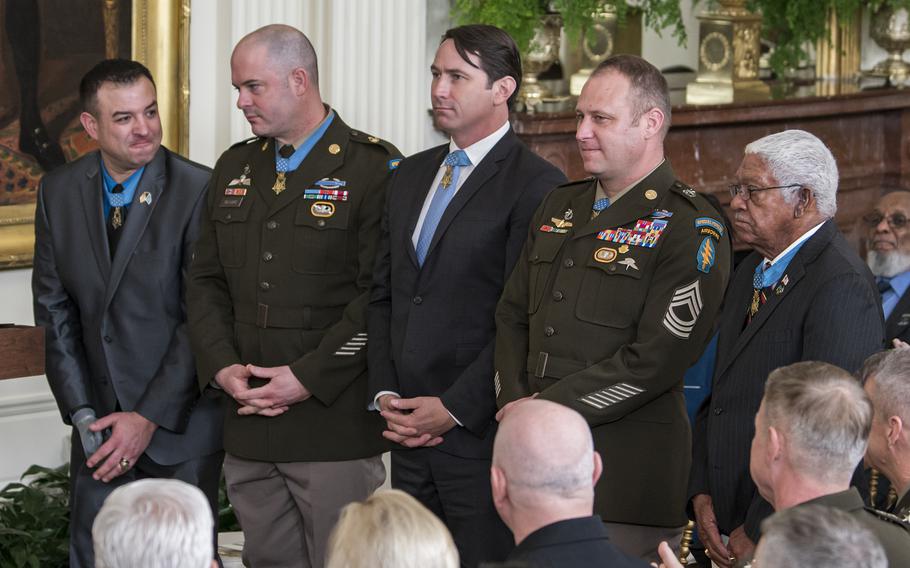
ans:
x=277 y=294
x=543 y=475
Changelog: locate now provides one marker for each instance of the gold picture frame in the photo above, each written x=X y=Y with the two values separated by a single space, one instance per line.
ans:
x=160 y=40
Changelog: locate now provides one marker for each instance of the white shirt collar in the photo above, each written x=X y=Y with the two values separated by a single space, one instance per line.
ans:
x=478 y=150
x=805 y=236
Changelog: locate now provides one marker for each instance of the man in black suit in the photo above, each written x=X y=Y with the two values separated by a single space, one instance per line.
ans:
x=114 y=233
x=802 y=294
x=888 y=245
x=543 y=476
x=455 y=221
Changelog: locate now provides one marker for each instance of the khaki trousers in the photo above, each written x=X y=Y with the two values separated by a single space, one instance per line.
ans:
x=288 y=510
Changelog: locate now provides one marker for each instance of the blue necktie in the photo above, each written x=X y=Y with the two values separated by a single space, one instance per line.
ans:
x=884 y=284
x=441 y=199
x=599 y=206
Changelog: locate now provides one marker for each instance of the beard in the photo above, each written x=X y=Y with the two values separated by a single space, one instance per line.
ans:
x=887 y=264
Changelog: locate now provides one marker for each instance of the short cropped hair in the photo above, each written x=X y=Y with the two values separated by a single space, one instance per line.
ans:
x=891 y=371
x=648 y=85
x=287 y=47
x=797 y=158
x=154 y=523
x=117 y=71
x=390 y=528
x=495 y=49
x=815 y=536
x=825 y=414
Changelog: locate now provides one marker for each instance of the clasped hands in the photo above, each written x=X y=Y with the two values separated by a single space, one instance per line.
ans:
x=415 y=422
x=271 y=399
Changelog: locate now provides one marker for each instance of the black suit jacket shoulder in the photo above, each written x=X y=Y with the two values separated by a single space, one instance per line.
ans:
x=116 y=327
x=431 y=328
x=827 y=309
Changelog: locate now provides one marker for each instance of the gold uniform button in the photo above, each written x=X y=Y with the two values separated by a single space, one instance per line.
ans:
x=651 y=195
x=334 y=149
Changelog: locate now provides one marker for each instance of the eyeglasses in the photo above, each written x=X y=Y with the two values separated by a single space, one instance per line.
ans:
x=895 y=220
x=746 y=191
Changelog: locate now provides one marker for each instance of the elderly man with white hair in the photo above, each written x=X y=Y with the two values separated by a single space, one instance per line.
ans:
x=154 y=523
x=803 y=294
x=543 y=475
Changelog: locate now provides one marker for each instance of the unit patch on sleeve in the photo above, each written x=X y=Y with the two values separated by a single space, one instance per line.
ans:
x=683 y=311
x=706 y=254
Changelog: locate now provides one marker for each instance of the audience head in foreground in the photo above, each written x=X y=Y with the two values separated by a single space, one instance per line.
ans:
x=785 y=185
x=543 y=475
x=811 y=431
x=390 y=529
x=154 y=523
x=817 y=537
x=886 y=379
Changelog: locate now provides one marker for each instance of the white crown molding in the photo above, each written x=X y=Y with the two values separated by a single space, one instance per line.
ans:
x=16 y=405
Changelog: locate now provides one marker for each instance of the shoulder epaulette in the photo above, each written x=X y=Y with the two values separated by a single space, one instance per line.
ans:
x=889 y=517
x=583 y=181
x=244 y=142
x=394 y=153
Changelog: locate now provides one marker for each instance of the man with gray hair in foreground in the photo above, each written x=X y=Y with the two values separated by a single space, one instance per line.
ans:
x=543 y=475
x=811 y=431
x=886 y=380
x=154 y=523
x=802 y=295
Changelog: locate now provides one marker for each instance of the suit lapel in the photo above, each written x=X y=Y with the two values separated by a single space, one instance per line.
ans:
x=151 y=185
x=91 y=191
x=794 y=273
x=630 y=207
x=899 y=319
x=420 y=189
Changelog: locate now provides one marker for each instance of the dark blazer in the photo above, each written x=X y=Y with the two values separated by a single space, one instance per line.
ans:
x=897 y=326
x=573 y=543
x=829 y=311
x=432 y=328
x=116 y=328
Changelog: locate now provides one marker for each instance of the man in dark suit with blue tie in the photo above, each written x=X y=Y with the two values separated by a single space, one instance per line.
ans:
x=114 y=235
x=803 y=294
x=455 y=221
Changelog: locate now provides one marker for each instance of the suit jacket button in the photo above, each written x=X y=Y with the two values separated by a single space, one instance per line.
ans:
x=107 y=339
x=417 y=300
x=558 y=295
x=271 y=225
x=549 y=331
x=266 y=256
x=320 y=223
x=265 y=285
x=718 y=411
x=568 y=263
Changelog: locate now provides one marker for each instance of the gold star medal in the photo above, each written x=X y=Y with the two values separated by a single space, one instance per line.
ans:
x=447 y=177
x=279 y=183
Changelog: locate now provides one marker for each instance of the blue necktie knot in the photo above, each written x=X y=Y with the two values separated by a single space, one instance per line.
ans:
x=884 y=284
x=457 y=158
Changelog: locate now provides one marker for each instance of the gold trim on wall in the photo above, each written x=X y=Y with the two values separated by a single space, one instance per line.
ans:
x=161 y=41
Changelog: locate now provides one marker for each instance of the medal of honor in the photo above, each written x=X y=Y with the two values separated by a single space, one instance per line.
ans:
x=279 y=183
x=447 y=177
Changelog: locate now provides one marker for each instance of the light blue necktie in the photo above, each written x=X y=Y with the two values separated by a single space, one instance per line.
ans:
x=441 y=199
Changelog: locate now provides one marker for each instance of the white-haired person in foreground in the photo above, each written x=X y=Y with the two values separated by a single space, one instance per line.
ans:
x=390 y=529
x=154 y=523
x=814 y=536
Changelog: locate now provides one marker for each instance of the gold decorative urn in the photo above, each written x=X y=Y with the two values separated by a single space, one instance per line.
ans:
x=597 y=43
x=728 y=54
x=542 y=53
x=890 y=29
